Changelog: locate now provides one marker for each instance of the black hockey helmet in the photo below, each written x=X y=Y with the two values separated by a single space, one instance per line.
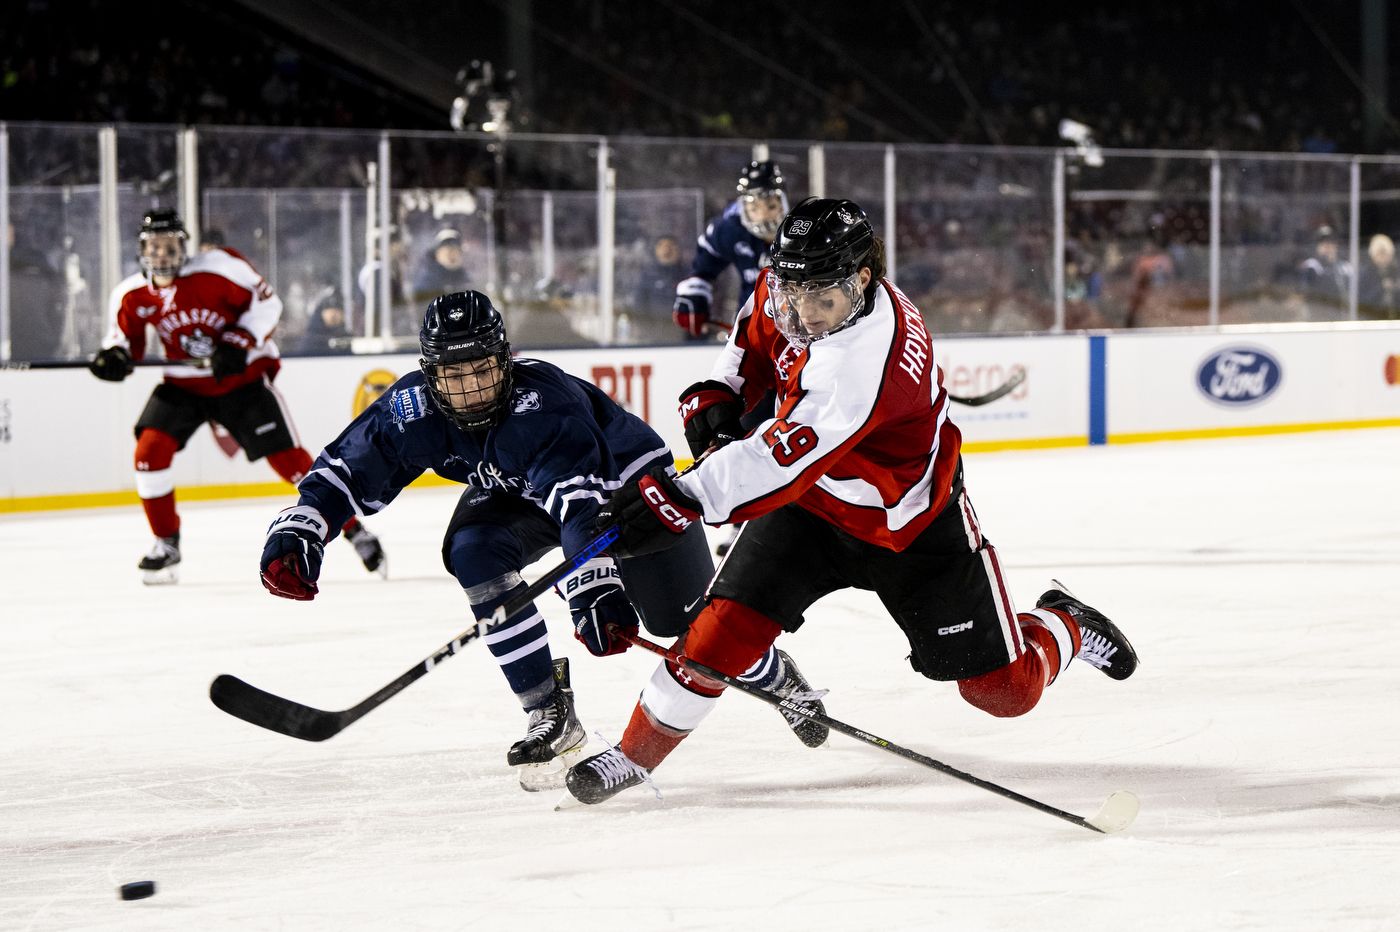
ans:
x=761 y=180
x=160 y=222
x=822 y=244
x=466 y=359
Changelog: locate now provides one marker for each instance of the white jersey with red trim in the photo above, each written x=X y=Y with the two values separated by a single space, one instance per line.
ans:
x=218 y=296
x=861 y=438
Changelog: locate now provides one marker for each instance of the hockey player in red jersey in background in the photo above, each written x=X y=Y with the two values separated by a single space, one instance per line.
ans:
x=214 y=316
x=856 y=483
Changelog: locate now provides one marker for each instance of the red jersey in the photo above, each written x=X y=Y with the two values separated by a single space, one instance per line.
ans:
x=861 y=438
x=217 y=297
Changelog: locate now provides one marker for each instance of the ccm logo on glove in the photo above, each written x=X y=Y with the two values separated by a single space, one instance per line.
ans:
x=664 y=508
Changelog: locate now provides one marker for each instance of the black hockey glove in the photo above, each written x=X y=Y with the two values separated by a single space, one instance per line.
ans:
x=291 y=557
x=651 y=514
x=112 y=364
x=711 y=411
x=231 y=355
x=596 y=600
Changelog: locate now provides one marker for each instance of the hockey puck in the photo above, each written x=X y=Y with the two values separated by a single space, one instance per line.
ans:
x=138 y=890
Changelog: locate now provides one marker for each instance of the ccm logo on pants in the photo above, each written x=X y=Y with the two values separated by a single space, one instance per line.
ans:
x=954 y=629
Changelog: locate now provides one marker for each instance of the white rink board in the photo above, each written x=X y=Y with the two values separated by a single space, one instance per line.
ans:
x=1053 y=401
x=65 y=432
x=1326 y=376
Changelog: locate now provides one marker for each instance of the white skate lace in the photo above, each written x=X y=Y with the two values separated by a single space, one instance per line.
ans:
x=615 y=767
x=1095 y=649
x=803 y=696
x=161 y=549
x=541 y=722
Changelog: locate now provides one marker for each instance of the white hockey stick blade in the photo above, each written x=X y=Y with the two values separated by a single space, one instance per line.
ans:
x=1118 y=812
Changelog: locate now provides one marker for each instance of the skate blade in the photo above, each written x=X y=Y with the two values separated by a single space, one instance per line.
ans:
x=567 y=801
x=1118 y=812
x=166 y=577
x=383 y=569
x=535 y=778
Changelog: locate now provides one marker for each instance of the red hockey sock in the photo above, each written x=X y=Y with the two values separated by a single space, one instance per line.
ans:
x=160 y=512
x=291 y=464
x=645 y=742
x=349 y=526
x=1016 y=688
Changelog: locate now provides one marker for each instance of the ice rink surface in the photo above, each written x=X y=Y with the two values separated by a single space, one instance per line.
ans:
x=1258 y=579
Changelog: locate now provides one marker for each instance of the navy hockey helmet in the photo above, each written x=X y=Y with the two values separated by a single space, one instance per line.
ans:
x=156 y=255
x=821 y=245
x=757 y=183
x=466 y=359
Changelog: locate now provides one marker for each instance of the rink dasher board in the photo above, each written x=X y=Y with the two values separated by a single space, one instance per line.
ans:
x=66 y=437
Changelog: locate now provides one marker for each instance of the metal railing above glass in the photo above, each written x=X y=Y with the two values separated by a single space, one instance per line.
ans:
x=580 y=240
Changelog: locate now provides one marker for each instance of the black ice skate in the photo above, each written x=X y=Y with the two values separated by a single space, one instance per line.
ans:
x=368 y=549
x=1102 y=644
x=554 y=741
x=158 y=566
x=795 y=688
x=602 y=777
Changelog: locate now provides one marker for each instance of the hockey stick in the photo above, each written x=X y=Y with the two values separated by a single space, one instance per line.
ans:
x=261 y=708
x=1002 y=390
x=84 y=363
x=1117 y=813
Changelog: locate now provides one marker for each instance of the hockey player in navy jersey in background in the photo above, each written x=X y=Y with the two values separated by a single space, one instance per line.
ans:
x=540 y=453
x=741 y=236
x=856 y=483
x=214 y=315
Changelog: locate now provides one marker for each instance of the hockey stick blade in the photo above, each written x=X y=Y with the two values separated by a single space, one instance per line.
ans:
x=262 y=708
x=1001 y=391
x=1117 y=813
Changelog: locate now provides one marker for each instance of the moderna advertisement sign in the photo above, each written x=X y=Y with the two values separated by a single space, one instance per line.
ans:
x=1238 y=376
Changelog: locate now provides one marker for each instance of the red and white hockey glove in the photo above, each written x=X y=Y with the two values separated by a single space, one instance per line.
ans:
x=651 y=515
x=691 y=312
x=291 y=557
x=711 y=411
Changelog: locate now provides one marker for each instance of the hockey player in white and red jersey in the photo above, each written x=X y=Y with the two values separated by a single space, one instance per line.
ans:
x=857 y=482
x=214 y=315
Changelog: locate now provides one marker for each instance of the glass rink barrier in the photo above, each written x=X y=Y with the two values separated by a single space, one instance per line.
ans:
x=580 y=240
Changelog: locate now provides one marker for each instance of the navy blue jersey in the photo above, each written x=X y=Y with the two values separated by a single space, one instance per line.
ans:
x=565 y=446
x=726 y=240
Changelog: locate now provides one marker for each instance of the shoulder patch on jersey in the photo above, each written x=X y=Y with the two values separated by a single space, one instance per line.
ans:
x=526 y=399
x=409 y=404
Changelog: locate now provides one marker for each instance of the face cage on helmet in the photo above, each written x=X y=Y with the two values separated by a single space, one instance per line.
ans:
x=783 y=298
x=471 y=410
x=767 y=229
x=164 y=271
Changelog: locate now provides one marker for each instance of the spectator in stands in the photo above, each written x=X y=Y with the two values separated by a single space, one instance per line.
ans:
x=656 y=289
x=1380 y=280
x=37 y=303
x=1325 y=280
x=1152 y=272
x=326 y=333
x=211 y=239
x=442 y=273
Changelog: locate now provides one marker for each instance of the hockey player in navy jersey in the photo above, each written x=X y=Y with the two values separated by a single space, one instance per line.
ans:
x=857 y=483
x=741 y=236
x=540 y=453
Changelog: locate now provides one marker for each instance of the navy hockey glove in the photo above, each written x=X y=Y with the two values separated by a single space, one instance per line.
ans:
x=596 y=601
x=711 y=411
x=291 y=557
x=691 y=312
x=650 y=514
x=231 y=355
x=112 y=364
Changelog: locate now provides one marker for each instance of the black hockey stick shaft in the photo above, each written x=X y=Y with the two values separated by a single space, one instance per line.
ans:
x=853 y=732
x=261 y=708
x=1000 y=391
x=84 y=363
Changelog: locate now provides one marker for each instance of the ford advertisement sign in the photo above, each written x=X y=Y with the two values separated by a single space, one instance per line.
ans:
x=1239 y=375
